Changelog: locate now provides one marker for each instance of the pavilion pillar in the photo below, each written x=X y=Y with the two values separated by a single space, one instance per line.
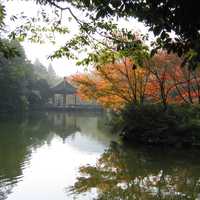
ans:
x=53 y=99
x=64 y=99
x=75 y=99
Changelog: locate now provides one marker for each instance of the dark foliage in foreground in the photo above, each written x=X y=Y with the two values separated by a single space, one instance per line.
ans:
x=162 y=17
x=149 y=124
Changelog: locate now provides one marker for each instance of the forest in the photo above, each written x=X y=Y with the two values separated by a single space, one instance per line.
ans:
x=24 y=86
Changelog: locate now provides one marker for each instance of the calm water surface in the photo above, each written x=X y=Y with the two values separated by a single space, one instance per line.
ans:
x=57 y=156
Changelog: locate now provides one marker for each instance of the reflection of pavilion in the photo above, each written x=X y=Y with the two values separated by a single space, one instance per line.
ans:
x=64 y=125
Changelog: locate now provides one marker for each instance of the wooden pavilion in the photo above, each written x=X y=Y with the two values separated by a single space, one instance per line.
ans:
x=64 y=97
x=64 y=94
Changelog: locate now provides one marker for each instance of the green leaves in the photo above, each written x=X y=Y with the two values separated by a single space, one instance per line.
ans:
x=2 y=15
x=7 y=50
x=162 y=17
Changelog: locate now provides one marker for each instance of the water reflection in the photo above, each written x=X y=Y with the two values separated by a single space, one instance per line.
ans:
x=40 y=156
x=123 y=173
x=20 y=137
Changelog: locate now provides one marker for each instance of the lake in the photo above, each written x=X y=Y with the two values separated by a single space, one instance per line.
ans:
x=57 y=156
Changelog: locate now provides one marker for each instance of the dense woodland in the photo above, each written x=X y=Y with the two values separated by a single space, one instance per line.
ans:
x=24 y=85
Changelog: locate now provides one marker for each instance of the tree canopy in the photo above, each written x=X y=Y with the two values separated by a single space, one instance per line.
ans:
x=24 y=85
x=176 y=23
x=160 y=79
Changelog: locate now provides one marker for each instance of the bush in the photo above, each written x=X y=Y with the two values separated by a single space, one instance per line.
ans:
x=150 y=124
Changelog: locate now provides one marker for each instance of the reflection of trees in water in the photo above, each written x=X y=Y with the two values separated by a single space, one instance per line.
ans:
x=17 y=138
x=104 y=122
x=5 y=190
x=19 y=135
x=95 y=127
x=123 y=173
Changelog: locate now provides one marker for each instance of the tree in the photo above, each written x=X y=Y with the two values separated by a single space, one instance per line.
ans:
x=160 y=83
x=114 y=84
x=6 y=50
x=52 y=77
x=186 y=85
x=162 y=17
x=161 y=80
x=39 y=94
x=169 y=82
x=21 y=87
x=40 y=70
x=15 y=74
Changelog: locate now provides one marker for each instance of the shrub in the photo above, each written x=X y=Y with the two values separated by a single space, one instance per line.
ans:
x=150 y=124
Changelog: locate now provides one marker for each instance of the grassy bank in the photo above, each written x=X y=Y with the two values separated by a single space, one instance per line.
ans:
x=150 y=124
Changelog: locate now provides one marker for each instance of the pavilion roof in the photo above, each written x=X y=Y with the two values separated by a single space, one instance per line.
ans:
x=64 y=88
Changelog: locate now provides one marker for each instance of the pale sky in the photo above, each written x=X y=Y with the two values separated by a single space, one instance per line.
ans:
x=63 y=66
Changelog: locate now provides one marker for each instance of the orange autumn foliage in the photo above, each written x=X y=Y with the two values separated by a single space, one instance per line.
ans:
x=160 y=80
x=113 y=85
x=160 y=84
x=169 y=82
